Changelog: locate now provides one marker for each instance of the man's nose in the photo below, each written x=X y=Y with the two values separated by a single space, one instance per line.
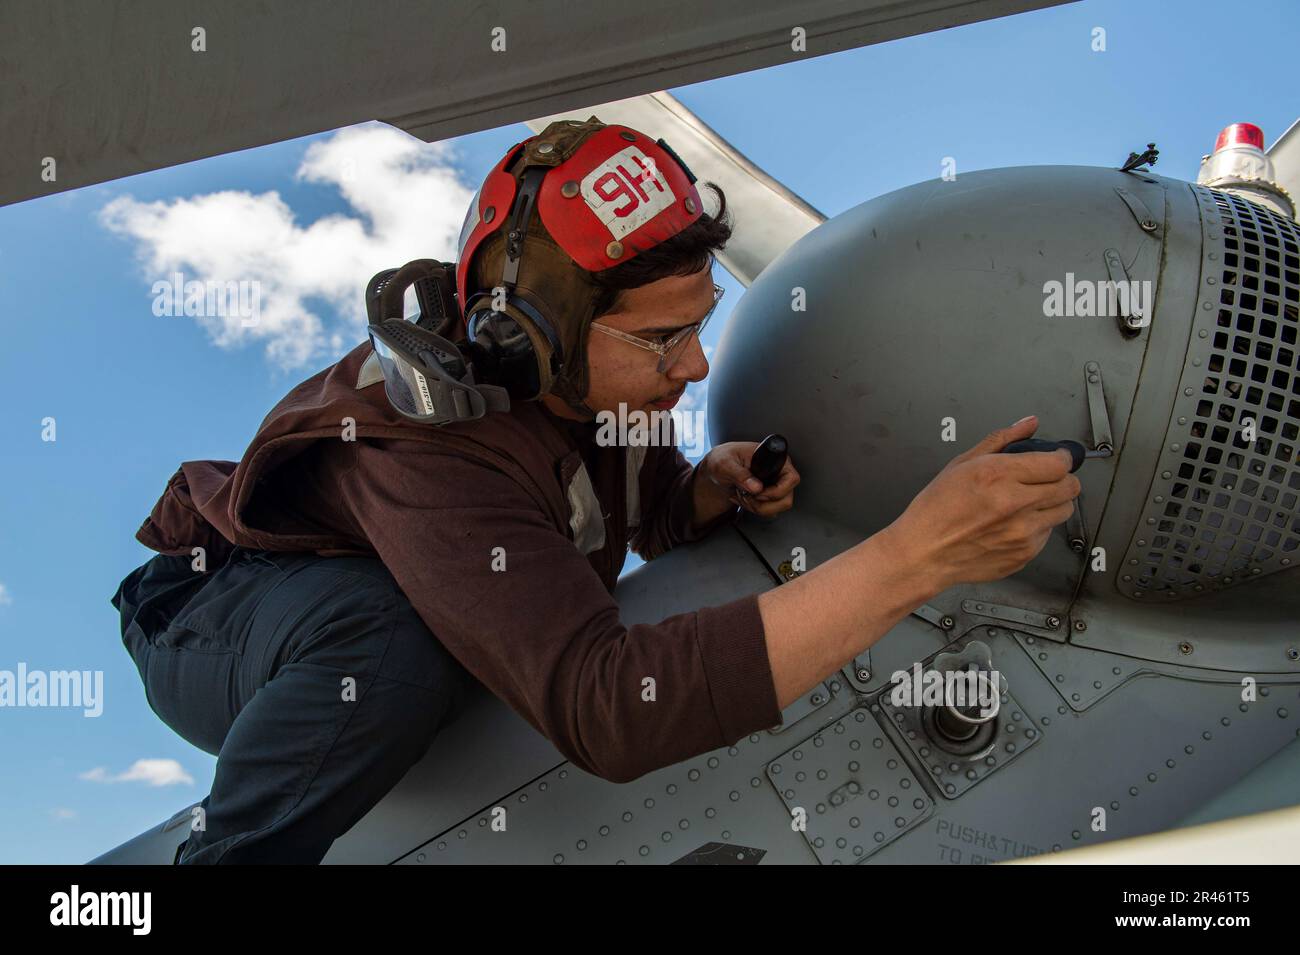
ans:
x=692 y=366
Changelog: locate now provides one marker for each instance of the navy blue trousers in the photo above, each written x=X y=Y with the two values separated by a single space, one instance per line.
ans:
x=311 y=679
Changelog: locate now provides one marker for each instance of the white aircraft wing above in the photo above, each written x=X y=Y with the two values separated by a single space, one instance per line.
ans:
x=97 y=91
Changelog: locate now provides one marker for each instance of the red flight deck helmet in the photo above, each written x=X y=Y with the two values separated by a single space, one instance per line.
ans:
x=578 y=198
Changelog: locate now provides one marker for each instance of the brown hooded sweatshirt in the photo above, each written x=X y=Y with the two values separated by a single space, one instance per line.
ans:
x=334 y=470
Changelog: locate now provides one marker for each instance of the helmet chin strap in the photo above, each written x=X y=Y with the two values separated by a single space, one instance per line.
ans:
x=578 y=404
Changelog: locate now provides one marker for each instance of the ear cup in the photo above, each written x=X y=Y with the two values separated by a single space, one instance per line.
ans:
x=517 y=349
x=504 y=353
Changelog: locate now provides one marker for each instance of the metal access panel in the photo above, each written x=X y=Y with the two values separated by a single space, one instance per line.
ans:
x=1135 y=755
x=848 y=790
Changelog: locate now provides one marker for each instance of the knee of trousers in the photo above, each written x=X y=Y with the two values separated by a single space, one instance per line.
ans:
x=368 y=624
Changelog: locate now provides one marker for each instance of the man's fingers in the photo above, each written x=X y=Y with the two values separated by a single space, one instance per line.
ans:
x=1060 y=492
x=769 y=508
x=730 y=471
x=1057 y=514
x=1039 y=467
x=999 y=439
x=785 y=483
x=1049 y=494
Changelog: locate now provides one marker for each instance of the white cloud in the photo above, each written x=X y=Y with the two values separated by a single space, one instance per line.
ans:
x=155 y=772
x=5 y=599
x=407 y=202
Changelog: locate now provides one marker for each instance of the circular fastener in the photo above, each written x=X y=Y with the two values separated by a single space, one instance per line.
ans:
x=1053 y=622
x=545 y=148
x=864 y=674
x=614 y=250
x=569 y=189
x=947 y=623
x=1148 y=225
x=1080 y=626
x=689 y=203
x=1184 y=648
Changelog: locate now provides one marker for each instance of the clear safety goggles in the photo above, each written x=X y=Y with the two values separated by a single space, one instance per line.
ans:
x=427 y=378
x=671 y=350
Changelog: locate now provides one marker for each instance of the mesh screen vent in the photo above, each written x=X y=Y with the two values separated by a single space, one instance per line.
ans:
x=1223 y=509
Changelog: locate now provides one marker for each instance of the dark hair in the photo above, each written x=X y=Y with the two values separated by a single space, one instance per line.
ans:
x=686 y=253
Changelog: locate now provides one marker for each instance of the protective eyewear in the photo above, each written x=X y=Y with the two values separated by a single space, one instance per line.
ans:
x=672 y=349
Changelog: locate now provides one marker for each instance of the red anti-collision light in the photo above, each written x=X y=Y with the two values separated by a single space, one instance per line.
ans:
x=1240 y=134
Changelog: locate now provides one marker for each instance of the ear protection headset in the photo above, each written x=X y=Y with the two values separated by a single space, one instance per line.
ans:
x=493 y=317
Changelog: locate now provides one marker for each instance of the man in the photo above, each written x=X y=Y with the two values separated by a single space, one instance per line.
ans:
x=298 y=620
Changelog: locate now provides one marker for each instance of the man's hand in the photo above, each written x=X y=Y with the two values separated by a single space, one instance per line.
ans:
x=986 y=515
x=731 y=482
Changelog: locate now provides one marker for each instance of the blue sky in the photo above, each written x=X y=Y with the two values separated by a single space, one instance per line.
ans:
x=133 y=393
